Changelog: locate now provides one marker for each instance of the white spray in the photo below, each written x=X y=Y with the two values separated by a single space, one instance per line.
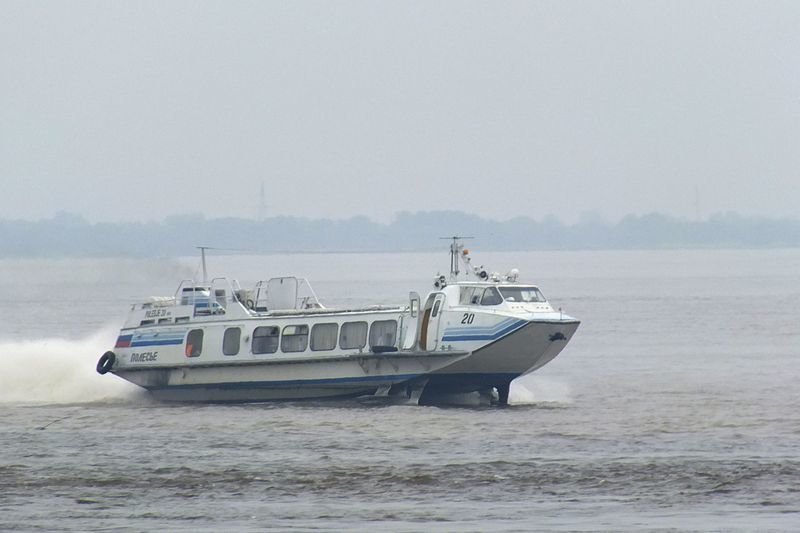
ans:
x=60 y=371
x=538 y=389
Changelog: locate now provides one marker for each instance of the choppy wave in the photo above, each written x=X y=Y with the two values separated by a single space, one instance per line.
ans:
x=54 y=370
x=665 y=482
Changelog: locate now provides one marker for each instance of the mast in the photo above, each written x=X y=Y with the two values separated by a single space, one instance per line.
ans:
x=455 y=251
x=203 y=262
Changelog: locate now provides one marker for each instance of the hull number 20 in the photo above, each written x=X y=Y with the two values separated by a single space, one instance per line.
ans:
x=469 y=318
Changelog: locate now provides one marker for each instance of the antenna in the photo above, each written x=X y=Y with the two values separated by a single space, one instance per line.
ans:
x=203 y=261
x=262 y=206
x=455 y=249
x=696 y=203
x=203 y=256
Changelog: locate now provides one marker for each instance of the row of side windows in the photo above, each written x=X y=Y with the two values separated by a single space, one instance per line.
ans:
x=295 y=338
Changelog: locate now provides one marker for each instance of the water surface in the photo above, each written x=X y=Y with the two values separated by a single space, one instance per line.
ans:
x=675 y=406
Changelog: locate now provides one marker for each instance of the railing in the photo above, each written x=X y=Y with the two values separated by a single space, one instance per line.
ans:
x=207 y=298
x=285 y=294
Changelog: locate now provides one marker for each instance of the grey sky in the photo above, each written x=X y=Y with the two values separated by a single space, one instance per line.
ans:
x=138 y=110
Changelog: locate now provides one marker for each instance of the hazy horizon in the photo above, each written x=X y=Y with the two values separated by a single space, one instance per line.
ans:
x=124 y=111
x=72 y=235
x=587 y=217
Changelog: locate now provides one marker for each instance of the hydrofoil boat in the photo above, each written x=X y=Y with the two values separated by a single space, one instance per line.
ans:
x=213 y=341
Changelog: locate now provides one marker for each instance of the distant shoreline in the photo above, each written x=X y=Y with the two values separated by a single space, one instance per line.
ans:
x=68 y=235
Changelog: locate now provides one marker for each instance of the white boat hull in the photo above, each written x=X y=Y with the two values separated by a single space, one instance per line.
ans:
x=516 y=354
x=276 y=380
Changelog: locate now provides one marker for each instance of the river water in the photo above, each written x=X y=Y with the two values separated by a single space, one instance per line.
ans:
x=675 y=407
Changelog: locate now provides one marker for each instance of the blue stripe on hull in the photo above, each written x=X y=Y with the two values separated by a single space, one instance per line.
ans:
x=480 y=329
x=463 y=336
x=163 y=342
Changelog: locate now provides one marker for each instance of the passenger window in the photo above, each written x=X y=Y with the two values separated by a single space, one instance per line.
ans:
x=353 y=335
x=265 y=340
x=491 y=297
x=294 y=339
x=231 y=340
x=323 y=336
x=436 y=308
x=194 y=343
x=383 y=332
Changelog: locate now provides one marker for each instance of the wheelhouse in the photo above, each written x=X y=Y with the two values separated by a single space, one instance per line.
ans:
x=486 y=294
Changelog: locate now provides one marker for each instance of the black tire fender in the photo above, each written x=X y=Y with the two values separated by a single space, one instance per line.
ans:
x=106 y=362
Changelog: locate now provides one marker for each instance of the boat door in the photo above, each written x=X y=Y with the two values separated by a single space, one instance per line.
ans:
x=409 y=329
x=431 y=332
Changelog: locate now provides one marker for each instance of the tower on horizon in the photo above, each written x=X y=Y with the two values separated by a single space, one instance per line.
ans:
x=262 y=205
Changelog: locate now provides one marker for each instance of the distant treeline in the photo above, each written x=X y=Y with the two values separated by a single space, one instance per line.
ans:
x=72 y=236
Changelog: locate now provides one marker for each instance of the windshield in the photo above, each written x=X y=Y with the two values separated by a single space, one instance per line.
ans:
x=490 y=297
x=522 y=294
